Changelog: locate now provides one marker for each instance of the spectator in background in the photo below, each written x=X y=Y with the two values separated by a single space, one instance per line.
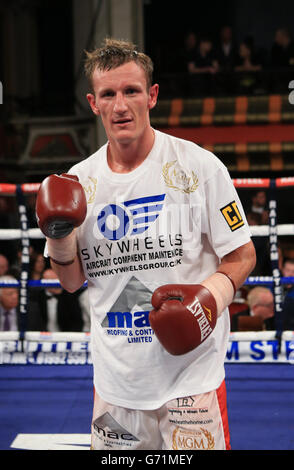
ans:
x=37 y=267
x=288 y=304
x=203 y=70
x=281 y=256
x=36 y=243
x=85 y=308
x=246 y=59
x=9 y=297
x=4 y=265
x=253 y=218
x=190 y=51
x=54 y=309
x=247 y=80
x=15 y=265
x=288 y=270
x=205 y=60
x=260 y=302
x=259 y=206
x=282 y=52
x=290 y=252
x=8 y=218
x=257 y=214
x=226 y=50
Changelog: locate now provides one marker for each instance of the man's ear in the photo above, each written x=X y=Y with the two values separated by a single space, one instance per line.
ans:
x=92 y=103
x=153 y=94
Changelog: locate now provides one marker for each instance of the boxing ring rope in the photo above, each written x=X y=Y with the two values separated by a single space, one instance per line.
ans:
x=74 y=348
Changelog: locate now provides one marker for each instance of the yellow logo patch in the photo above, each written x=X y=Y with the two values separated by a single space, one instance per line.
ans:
x=232 y=216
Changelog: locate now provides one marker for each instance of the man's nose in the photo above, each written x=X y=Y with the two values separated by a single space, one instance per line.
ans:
x=120 y=105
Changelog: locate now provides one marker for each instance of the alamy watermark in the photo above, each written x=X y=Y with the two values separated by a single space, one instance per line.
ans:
x=1 y=93
x=291 y=94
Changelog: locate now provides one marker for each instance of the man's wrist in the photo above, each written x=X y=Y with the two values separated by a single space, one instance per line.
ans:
x=62 y=263
x=222 y=289
x=63 y=251
x=229 y=277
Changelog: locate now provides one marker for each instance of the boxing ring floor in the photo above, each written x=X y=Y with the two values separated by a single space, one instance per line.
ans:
x=49 y=406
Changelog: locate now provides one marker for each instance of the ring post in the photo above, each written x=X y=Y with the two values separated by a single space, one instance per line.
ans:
x=25 y=262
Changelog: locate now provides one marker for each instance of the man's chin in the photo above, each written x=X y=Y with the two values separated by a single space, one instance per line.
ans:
x=123 y=137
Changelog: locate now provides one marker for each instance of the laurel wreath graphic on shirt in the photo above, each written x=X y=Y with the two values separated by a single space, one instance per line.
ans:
x=90 y=189
x=177 y=179
x=210 y=439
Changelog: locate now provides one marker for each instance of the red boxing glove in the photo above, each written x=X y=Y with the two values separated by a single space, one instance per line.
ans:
x=184 y=316
x=61 y=205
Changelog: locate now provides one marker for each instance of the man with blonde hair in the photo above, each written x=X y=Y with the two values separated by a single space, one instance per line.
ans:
x=260 y=301
x=158 y=295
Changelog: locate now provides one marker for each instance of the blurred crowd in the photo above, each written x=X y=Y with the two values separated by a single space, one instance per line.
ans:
x=253 y=308
x=228 y=66
x=202 y=55
x=51 y=309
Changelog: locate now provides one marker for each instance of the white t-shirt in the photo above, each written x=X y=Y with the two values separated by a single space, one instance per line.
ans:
x=168 y=221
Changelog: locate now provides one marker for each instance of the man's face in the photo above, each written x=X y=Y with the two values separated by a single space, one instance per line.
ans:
x=123 y=102
x=3 y=265
x=260 y=199
x=288 y=269
x=226 y=34
x=265 y=306
x=281 y=38
x=206 y=46
x=9 y=298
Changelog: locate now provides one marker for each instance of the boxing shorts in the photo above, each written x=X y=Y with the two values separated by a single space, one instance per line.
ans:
x=198 y=422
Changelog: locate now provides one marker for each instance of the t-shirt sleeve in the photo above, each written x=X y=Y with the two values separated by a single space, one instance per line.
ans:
x=224 y=218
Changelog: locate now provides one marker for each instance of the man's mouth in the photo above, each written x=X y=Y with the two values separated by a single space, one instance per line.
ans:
x=122 y=121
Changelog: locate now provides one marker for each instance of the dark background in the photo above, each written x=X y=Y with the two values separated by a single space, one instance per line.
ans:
x=165 y=23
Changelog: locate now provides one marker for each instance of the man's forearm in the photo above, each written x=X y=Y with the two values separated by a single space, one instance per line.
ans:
x=71 y=276
x=239 y=263
x=230 y=275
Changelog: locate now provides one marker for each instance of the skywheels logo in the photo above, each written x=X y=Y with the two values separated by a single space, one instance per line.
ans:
x=133 y=217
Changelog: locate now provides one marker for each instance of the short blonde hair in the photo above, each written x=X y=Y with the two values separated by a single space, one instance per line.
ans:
x=112 y=54
x=254 y=295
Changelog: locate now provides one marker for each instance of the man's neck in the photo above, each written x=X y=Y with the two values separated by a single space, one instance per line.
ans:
x=126 y=157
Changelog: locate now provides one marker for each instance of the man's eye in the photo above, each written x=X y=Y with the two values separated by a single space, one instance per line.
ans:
x=131 y=91
x=107 y=94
